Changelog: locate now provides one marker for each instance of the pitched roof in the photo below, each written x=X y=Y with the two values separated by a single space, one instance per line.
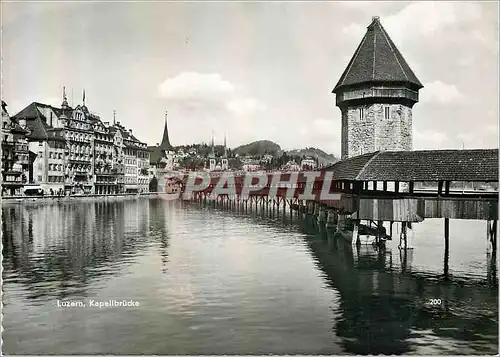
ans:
x=480 y=165
x=34 y=121
x=377 y=60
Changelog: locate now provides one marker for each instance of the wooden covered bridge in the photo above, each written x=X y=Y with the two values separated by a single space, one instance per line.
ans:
x=390 y=186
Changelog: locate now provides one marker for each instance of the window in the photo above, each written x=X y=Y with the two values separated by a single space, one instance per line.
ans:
x=361 y=113
x=387 y=113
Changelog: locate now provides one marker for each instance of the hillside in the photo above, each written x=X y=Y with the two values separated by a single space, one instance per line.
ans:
x=323 y=157
x=259 y=148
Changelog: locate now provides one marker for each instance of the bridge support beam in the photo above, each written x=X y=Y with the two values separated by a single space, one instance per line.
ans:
x=355 y=233
x=310 y=208
x=491 y=236
x=446 y=246
x=321 y=215
x=341 y=222
x=316 y=209
x=331 y=219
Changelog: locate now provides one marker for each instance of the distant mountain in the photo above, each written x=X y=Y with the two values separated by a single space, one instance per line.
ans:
x=259 y=148
x=323 y=157
x=262 y=147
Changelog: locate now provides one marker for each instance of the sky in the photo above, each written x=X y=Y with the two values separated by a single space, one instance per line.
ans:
x=250 y=70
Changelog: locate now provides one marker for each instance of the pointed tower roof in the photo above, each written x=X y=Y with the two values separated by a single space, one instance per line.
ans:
x=165 y=142
x=225 y=146
x=64 y=104
x=377 y=60
x=212 y=145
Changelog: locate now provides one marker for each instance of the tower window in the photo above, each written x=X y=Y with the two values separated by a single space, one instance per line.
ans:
x=387 y=112
x=361 y=113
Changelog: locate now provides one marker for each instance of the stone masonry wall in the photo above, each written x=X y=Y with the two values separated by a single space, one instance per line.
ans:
x=373 y=132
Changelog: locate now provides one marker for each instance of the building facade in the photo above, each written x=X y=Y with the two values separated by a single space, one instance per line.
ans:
x=15 y=157
x=214 y=163
x=73 y=152
x=376 y=94
x=105 y=174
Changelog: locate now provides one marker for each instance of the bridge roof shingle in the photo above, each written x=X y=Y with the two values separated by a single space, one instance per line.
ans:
x=480 y=165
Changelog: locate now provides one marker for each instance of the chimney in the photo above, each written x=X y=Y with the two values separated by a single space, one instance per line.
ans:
x=118 y=123
x=106 y=123
x=375 y=18
x=130 y=131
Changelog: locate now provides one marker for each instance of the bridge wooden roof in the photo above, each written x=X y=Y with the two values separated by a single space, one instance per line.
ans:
x=480 y=165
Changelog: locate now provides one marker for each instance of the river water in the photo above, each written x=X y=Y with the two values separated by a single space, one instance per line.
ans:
x=219 y=282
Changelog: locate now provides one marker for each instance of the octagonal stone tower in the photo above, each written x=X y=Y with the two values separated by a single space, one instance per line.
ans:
x=376 y=94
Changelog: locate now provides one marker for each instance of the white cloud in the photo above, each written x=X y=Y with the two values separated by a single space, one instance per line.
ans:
x=439 y=92
x=356 y=4
x=429 y=139
x=354 y=30
x=208 y=93
x=188 y=85
x=422 y=18
x=208 y=102
x=320 y=133
x=15 y=106
x=244 y=106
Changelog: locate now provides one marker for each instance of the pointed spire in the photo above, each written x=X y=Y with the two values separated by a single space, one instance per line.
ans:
x=64 y=104
x=225 y=146
x=377 y=60
x=165 y=142
x=83 y=97
x=114 y=117
x=212 y=145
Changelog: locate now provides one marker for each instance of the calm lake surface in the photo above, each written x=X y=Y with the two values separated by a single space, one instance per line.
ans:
x=218 y=282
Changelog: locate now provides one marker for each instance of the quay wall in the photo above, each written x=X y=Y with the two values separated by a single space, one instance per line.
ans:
x=12 y=200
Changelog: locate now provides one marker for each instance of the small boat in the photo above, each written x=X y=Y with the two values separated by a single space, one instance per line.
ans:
x=364 y=234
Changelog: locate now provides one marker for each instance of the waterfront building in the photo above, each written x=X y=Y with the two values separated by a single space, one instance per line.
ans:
x=135 y=157
x=15 y=158
x=62 y=140
x=47 y=147
x=308 y=164
x=118 y=165
x=105 y=173
x=74 y=151
x=376 y=94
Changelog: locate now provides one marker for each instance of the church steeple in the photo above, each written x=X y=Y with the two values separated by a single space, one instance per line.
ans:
x=225 y=146
x=212 y=153
x=64 y=104
x=165 y=142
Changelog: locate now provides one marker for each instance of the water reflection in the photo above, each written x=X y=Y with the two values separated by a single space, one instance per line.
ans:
x=273 y=283
x=385 y=309
x=68 y=247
